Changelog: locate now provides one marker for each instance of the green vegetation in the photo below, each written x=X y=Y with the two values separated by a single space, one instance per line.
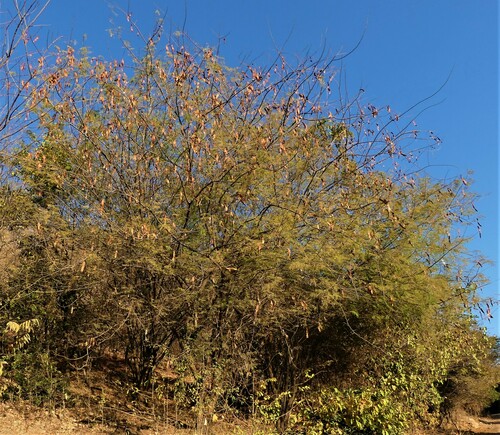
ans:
x=239 y=244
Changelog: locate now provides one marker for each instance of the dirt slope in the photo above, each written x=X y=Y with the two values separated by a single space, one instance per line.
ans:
x=26 y=420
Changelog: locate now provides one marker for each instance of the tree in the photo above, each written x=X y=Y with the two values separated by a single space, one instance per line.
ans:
x=236 y=221
x=21 y=59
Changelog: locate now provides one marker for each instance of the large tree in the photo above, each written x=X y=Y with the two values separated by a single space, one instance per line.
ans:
x=246 y=223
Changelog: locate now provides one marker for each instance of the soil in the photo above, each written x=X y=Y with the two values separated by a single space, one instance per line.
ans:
x=464 y=424
x=20 y=419
x=27 y=420
x=476 y=425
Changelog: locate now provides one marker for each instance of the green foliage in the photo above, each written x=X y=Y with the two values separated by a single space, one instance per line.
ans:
x=367 y=411
x=27 y=372
x=35 y=377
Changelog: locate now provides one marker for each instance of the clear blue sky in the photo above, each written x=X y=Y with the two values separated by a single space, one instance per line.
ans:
x=408 y=50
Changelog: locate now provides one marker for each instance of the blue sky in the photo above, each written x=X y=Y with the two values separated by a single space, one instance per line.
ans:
x=408 y=50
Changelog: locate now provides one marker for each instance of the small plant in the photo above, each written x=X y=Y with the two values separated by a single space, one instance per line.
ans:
x=37 y=378
x=18 y=335
x=25 y=371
